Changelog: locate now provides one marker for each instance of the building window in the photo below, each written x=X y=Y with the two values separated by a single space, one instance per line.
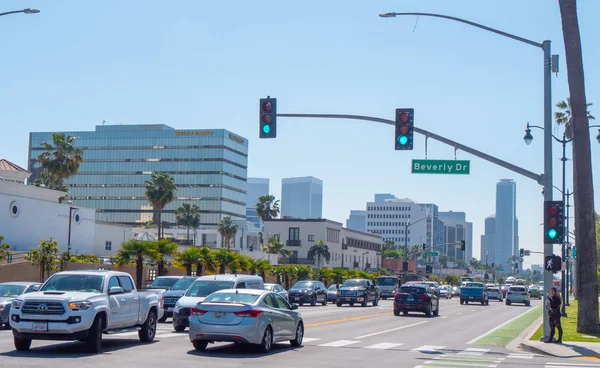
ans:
x=108 y=245
x=333 y=235
x=311 y=238
x=14 y=209
x=294 y=233
x=152 y=275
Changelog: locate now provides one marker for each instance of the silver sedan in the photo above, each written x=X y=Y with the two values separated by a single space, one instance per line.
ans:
x=249 y=316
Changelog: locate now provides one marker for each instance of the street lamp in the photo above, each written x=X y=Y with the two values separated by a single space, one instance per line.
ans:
x=71 y=209
x=408 y=224
x=549 y=63
x=26 y=11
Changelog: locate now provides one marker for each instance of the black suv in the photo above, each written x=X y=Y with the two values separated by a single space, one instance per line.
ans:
x=360 y=291
x=308 y=291
x=172 y=295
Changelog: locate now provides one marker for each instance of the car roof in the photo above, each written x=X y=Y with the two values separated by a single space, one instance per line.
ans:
x=169 y=277
x=20 y=283
x=227 y=277
x=415 y=285
x=93 y=272
x=243 y=291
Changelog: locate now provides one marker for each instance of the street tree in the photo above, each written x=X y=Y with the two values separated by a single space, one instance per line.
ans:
x=318 y=251
x=188 y=216
x=136 y=252
x=205 y=261
x=165 y=250
x=267 y=207
x=160 y=191
x=45 y=256
x=275 y=246
x=227 y=229
x=4 y=250
x=587 y=278
x=59 y=161
x=260 y=267
x=187 y=259
x=563 y=116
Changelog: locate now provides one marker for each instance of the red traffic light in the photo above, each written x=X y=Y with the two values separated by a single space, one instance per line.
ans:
x=266 y=118
x=552 y=222
x=404 y=129
x=552 y=210
x=404 y=117
x=267 y=107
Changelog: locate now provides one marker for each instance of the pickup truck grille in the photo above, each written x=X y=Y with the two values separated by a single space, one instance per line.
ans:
x=184 y=311
x=349 y=292
x=171 y=300
x=43 y=308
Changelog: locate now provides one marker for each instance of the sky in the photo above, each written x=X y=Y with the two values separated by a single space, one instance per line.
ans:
x=205 y=64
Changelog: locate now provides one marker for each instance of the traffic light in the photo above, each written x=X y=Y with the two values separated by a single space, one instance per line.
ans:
x=463 y=246
x=554 y=221
x=428 y=269
x=405 y=266
x=404 y=129
x=424 y=246
x=268 y=117
x=522 y=253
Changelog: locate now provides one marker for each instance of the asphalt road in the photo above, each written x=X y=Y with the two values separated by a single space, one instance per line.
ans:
x=335 y=337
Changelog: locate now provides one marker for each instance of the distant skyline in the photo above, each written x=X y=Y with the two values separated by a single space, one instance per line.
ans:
x=76 y=64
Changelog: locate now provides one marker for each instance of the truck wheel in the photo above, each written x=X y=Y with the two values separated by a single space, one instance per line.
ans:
x=487 y=302
x=338 y=304
x=179 y=328
x=428 y=311
x=94 y=339
x=313 y=301
x=437 y=310
x=396 y=312
x=22 y=344
x=200 y=345
x=462 y=302
x=148 y=331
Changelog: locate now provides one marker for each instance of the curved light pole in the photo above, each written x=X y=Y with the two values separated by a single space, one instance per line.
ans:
x=26 y=11
x=547 y=176
x=408 y=224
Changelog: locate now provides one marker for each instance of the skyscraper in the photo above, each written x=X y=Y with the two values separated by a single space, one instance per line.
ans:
x=256 y=188
x=456 y=229
x=302 y=197
x=435 y=226
x=506 y=221
x=488 y=240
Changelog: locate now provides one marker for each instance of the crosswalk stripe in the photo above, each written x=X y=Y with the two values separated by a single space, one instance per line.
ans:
x=428 y=348
x=520 y=356
x=309 y=339
x=383 y=346
x=339 y=343
x=473 y=351
x=162 y=336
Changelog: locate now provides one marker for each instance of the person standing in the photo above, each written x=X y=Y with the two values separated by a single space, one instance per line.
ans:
x=553 y=305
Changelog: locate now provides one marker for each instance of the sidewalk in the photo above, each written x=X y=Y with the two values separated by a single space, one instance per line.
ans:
x=568 y=349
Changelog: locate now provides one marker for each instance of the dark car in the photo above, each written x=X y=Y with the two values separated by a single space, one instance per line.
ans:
x=332 y=292
x=416 y=298
x=8 y=292
x=309 y=292
x=534 y=292
x=172 y=295
x=163 y=282
x=360 y=291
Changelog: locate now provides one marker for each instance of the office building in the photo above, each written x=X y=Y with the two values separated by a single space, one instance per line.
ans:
x=256 y=188
x=302 y=198
x=488 y=240
x=390 y=217
x=382 y=197
x=435 y=226
x=456 y=229
x=357 y=220
x=506 y=221
x=209 y=167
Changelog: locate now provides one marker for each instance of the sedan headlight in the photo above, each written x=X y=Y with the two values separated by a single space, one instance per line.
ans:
x=177 y=305
x=83 y=305
x=3 y=307
x=17 y=303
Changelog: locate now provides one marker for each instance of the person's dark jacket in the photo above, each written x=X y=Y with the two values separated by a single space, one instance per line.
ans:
x=555 y=303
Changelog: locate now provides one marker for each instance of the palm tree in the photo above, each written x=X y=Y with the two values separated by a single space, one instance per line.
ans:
x=319 y=250
x=187 y=258
x=564 y=116
x=188 y=216
x=287 y=273
x=327 y=276
x=240 y=263
x=260 y=267
x=160 y=191
x=60 y=161
x=47 y=181
x=275 y=246
x=267 y=207
x=587 y=281
x=224 y=258
x=205 y=261
x=148 y=225
x=227 y=229
x=44 y=256
x=135 y=251
x=4 y=250
x=164 y=249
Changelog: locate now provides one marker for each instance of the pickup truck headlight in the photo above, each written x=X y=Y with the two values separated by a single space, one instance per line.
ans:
x=80 y=305
x=3 y=307
x=17 y=303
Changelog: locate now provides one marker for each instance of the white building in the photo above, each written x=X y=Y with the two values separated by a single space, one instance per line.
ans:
x=456 y=229
x=390 y=216
x=348 y=248
x=29 y=214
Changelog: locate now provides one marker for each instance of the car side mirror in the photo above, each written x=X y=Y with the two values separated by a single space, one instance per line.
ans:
x=115 y=290
x=337 y=286
x=294 y=306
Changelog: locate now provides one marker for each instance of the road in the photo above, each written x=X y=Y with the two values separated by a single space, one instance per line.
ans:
x=335 y=337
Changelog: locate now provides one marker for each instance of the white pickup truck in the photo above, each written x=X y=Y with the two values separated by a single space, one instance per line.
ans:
x=84 y=305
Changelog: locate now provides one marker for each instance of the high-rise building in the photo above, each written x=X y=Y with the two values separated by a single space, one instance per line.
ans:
x=389 y=218
x=302 y=198
x=357 y=220
x=209 y=167
x=435 y=226
x=506 y=221
x=256 y=188
x=381 y=197
x=456 y=229
x=488 y=240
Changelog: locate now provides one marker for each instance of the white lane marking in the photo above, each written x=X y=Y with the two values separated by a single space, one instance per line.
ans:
x=339 y=343
x=383 y=346
x=444 y=317
x=473 y=351
x=560 y=364
x=393 y=329
x=123 y=334
x=502 y=325
x=459 y=313
x=310 y=339
x=428 y=348
x=520 y=356
x=171 y=335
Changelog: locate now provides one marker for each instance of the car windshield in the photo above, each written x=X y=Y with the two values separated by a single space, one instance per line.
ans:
x=474 y=285
x=386 y=281
x=70 y=282
x=303 y=285
x=412 y=290
x=11 y=290
x=163 y=283
x=231 y=298
x=183 y=284
x=354 y=283
x=332 y=287
x=200 y=289
x=517 y=289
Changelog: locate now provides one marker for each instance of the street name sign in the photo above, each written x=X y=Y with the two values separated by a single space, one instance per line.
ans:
x=462 y=167
x=431 y=254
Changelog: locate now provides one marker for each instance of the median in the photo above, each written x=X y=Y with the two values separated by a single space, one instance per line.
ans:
x=569 y=325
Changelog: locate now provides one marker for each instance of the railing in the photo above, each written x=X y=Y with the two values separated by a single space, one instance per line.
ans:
x=293 y=243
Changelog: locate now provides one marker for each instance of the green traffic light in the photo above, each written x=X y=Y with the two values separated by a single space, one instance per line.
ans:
x=403 y=139
x=552 y=233
x=266 y=128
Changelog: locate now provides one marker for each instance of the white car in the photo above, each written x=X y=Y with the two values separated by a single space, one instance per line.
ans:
x=446 y=292
x=518 y=294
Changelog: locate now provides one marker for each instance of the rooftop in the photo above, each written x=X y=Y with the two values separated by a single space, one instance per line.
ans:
x=6 y=165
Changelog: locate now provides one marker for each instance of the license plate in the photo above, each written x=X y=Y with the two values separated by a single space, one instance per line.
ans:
x=410 y=299
x=471 y=297
x=219 y=315
x=347 y=299
x=296 y=298
x=169 y=309
x=40 y=326
x=360 y=299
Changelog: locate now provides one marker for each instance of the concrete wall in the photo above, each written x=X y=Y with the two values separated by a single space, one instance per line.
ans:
x=115 y=234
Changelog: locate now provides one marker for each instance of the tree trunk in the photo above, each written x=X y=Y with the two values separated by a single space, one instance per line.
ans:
x=587 y=281
x=199 y=269
x=287 y=282
x=263 y=275
x=222 y=269
x=159 y=224
x=228 y=242
x=188 y=269
x=139 y=272
x=161 y=268
x=188 y=235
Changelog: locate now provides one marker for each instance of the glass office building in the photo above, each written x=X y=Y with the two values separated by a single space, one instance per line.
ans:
x=209 y=168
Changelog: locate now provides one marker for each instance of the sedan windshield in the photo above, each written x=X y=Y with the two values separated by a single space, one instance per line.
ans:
x=162 y=283
x=200 y=289
x=11 y=290
x=303 y=285
x=332 y=287
x=183 y=284
x=70 y=282
x=231 y=298
x=386 y=281
x=412 y=290
x=355 y=283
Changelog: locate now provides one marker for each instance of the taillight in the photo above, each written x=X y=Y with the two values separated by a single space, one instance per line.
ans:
x=163 y=301
x=523 y=293
x=252 y=313
x=424 y=298
x=509 y=293
x=197 y=312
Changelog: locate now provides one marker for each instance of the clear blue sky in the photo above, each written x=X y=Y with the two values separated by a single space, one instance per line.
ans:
x=201 y=64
